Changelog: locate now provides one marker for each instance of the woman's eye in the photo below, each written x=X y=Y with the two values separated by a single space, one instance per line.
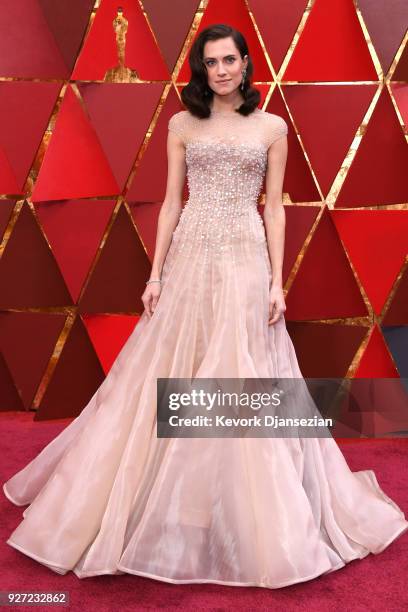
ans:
x=230 y=60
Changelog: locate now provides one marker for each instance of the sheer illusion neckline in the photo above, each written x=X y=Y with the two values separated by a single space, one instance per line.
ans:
x=230 y=113
x=224 y=112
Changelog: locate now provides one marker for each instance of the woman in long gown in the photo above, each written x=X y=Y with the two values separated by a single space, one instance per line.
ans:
x=107 y=495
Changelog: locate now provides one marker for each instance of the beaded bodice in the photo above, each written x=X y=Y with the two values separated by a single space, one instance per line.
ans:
x=226 y=158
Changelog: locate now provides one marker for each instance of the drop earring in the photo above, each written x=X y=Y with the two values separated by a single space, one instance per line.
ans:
x=243 y=78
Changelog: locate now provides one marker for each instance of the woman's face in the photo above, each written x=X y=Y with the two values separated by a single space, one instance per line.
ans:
x=223 y=63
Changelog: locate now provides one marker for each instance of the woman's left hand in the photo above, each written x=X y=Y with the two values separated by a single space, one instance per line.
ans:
x=277 y=304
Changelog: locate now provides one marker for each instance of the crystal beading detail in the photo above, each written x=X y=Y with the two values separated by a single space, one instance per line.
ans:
x=226 y=163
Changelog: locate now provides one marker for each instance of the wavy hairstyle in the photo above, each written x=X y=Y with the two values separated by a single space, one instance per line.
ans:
x=197 y=95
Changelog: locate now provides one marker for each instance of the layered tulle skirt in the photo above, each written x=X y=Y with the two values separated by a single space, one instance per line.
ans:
x=107 y=496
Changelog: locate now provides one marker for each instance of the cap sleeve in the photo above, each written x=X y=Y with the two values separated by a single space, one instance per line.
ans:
x=278 y=128
x=177 y=124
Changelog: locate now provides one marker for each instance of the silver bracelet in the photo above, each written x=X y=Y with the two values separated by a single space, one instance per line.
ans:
x=154 y=280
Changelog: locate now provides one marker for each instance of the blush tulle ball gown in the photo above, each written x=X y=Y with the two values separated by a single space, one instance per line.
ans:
x=107 y=496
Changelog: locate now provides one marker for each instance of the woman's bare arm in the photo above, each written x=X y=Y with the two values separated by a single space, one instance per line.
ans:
x=275 y=221
x=168 y=217
x=172 y=203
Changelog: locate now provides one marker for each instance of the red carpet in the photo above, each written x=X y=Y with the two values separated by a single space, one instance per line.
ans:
x=378 y=581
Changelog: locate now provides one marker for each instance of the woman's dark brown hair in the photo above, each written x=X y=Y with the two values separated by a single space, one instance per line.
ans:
x=196 y=95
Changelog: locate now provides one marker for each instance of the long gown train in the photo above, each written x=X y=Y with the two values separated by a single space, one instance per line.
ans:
x=107 y=496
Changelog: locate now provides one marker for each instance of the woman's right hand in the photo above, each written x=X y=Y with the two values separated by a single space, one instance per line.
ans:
x=150 y=297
